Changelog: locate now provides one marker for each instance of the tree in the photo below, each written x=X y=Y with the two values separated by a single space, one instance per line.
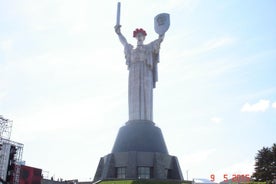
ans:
x=265 y=165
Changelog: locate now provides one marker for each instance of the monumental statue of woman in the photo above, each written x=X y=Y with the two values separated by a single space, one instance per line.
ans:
x=142 y=63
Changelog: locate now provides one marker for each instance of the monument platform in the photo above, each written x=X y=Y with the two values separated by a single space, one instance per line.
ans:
x=141 y=136
x=139 y=152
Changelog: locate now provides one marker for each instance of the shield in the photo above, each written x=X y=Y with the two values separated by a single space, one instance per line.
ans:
x=161 y=23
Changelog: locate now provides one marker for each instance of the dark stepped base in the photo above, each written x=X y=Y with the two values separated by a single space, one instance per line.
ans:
x=140 y=135
x=139 y=144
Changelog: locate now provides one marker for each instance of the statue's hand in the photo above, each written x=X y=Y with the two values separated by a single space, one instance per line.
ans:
x=117 y=29
x=161 y=37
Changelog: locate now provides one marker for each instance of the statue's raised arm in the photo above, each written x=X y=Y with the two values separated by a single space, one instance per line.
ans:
x=117 y=27
x=120 y=35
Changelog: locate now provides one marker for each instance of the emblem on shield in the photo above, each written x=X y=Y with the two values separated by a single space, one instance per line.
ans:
x=161 y=23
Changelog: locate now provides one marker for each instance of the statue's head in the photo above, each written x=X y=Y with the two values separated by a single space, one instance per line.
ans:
x=139 y=34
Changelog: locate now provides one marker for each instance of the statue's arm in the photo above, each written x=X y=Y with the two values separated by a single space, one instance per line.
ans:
x=156 y=43
x=122 y=39
x=120 y=35
x=161 y=38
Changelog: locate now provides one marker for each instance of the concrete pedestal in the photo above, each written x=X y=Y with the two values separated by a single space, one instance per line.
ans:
x=141 y=136
x=139 y=145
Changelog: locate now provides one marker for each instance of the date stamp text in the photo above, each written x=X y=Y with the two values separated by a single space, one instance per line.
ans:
x=234 y=178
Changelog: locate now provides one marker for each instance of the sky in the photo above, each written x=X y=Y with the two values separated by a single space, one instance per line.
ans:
x=63 y=81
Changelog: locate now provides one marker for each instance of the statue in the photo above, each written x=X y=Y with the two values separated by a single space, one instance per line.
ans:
x=142 y=63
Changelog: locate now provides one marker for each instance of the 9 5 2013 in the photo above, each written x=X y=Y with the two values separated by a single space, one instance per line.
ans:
x=235 y=178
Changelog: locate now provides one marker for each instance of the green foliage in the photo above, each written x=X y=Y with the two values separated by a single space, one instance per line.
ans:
x=265 y=165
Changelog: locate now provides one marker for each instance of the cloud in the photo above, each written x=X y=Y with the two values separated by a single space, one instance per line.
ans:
x=221 y=42
x=188 y=5
x=6 y=45
x=210 y=45
x=261 y=106
x=216 y=119
x=199 y=157
x=69 y=116
x=274 y=105
x=2 y=95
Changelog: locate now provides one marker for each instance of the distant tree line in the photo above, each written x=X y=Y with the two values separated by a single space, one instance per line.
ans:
x=265 y=165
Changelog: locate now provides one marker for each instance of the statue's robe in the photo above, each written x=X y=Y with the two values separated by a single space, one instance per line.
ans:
x=142 y=65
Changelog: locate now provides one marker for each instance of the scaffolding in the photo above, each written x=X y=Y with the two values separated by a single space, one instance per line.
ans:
x=5 y=148
x=4 y=158
x=5 y=127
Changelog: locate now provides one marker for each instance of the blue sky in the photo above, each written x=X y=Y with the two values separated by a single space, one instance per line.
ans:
x=63 y=81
